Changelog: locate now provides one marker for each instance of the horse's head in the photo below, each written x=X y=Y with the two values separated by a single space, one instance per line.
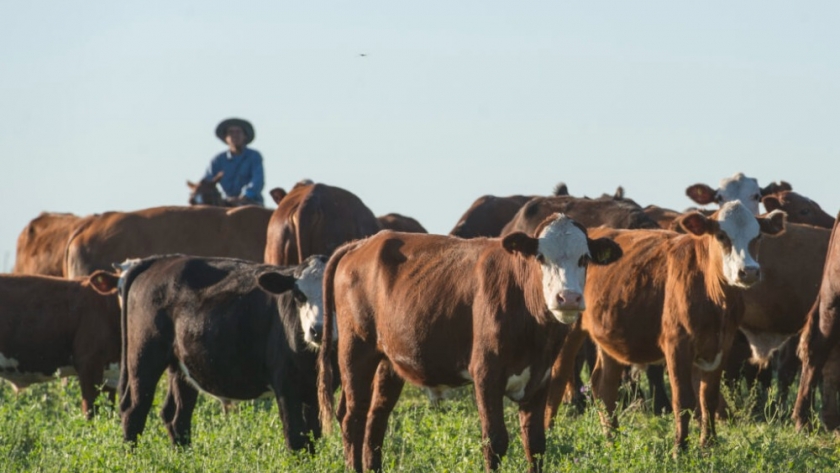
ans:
x=206 y=192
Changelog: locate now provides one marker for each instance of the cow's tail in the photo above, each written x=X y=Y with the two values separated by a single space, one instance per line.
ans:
x=325 y=356
x=70 y=269
x=130 y=275
x=309 y=222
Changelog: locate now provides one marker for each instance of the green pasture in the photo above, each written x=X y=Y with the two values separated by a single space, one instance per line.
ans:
x=42 y=429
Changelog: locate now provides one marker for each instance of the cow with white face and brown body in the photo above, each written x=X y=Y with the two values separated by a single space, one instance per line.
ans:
x=234 y=329
x=442 y=312
x=51 y=326
x=676 y=298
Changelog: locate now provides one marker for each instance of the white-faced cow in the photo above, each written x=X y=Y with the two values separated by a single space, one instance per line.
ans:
x=738 y=187
x=441 y=312
x=676 y=298
x=231 y=328
x=50 y=326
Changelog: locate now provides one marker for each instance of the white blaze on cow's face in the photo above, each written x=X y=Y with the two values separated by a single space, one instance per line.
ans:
x=738 y=228
x=740 y=187
x=563 y=252
x=308 y=294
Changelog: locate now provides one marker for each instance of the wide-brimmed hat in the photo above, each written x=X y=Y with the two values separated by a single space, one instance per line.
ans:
x=246 y=126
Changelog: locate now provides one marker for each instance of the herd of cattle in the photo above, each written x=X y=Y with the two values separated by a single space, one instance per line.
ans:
x=319 y=294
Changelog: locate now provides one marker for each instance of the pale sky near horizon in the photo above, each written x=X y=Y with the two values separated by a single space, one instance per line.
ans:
x=112 y=105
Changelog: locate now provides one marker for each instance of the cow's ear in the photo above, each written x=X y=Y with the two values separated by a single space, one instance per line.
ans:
x=771 y=203
x=104 y=282
x=277 y=194
x=696 y=223
x=603 y=250
x=773 y=223
x=519 y=242
x=701 y=193
x=774 y=188
x=275 y=283
x=191 y=185
x=218 y=177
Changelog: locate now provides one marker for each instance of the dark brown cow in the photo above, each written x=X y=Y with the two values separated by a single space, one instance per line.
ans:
x=442 y=312
x=41 y=244
x=234 y=329
x=662 y=216
x=678 y=298
x=101 y=240
x=488 y=215
x=205 y=192
x=51 y=326
x=315 y=219
x=819 y=346
x=799 y=208
x=400 y=223
x=613 y=213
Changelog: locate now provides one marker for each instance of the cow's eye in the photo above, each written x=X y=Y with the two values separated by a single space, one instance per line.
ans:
x=757 y=197
x=540 y=258
x=720 y=236
x=719 y=199
x=583 y=261
x=299 y=296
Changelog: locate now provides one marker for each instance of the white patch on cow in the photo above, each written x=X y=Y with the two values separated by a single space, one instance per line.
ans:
x=186 y=372
x=562 y=244
x=709 y=365
x=763 y=344
x=466 y=375
x=8 y=363
x=743 y=188
x=111 y=376
x=437 y=394
x=515 y=388
x=741 y=227
x=311 y=312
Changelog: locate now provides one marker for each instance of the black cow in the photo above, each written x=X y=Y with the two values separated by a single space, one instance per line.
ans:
x=232 y=328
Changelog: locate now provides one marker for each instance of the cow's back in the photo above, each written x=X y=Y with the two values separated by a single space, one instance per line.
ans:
x=316 y=219
x=488 y=215
x=113 y=237
x=591 y=213
x=41 y=244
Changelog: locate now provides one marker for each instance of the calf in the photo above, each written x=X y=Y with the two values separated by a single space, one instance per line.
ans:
x=442 y=312
x=799 y=208
x=676 y=298
x=52 y=326
x=213 y=326
x=819 y=345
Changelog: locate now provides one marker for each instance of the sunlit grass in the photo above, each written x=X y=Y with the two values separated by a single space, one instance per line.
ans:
x=42 y=429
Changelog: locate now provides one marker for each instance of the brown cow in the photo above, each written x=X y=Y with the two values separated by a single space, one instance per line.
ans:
x=614 y=213
x=41 y=244
x=819 y=346
x=488 y=215
x=737 y=187
x=678 y=298
x=101 y=240
x=400 y=223
x=52 y=326
x=799 y=208
x=442 y=312
x=315 y=219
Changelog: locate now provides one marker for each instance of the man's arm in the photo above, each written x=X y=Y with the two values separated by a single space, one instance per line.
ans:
x=253 y=190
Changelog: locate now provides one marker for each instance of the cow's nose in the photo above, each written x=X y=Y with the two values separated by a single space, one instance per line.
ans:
x=749 y=275
x=316 y=332
x=569 y=299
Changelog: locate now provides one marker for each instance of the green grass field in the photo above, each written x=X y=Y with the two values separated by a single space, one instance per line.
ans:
x=42 y=429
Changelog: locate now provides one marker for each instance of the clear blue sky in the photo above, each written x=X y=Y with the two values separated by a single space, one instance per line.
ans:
x=112 y=105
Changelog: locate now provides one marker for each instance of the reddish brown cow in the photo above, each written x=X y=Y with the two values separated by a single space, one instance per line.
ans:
x=799 y=208
x=400 y=223
x=614 y=213
x=50 y=326
x=678 y=298
x=101 y=240
x=442 y=312
x=819 y=346
x=41 y=244
x=315 y=219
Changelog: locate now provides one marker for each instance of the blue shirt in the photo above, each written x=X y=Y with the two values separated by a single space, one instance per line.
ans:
x=243 y=174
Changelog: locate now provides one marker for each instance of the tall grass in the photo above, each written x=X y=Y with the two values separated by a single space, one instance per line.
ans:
x=42 y=429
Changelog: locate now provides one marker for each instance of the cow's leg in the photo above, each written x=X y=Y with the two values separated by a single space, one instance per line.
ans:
x=563 y=371
x=606 y=379
x=489 y=396
x=709 y=398
x=289 y=394
x=787 y=367
x=532 y=428
x=656 y=382
x=387 y=387
x=830 y=414
x=178 y=408
x=679 y=361
x=90 y=380
x=145 y=366
x=359 y=362
x=814 y=347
